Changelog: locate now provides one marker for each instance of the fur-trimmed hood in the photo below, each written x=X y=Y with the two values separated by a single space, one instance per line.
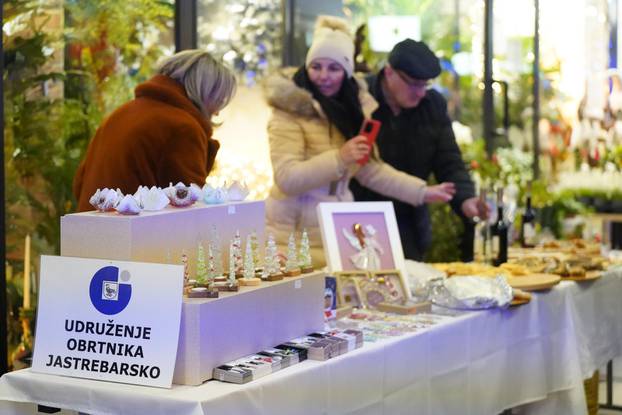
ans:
x=282 y=93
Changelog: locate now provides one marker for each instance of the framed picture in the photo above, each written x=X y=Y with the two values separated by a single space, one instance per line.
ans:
x=361 y=236
x=330 y=297
x=347 y=289
x=384 y=286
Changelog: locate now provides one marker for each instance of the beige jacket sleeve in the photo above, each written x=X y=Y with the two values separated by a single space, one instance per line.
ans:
x=383 y=178
x=293 y=174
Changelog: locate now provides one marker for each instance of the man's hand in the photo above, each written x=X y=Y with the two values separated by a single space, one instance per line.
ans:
x=475 y=208
x=443 y=192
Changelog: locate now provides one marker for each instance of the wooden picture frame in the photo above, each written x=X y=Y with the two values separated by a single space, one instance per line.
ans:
x=382 y=286
x=347 y=289
x=375 y=245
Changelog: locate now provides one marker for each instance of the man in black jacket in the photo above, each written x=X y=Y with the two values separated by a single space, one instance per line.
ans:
x=416 y=137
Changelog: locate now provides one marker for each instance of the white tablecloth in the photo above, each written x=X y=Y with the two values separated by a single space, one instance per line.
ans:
x=480 y=363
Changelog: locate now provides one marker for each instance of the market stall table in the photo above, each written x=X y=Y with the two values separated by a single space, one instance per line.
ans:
x=478 y=363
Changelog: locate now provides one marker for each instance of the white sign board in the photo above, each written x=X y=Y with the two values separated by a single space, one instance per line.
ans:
x=385 y=31
x=108 y=320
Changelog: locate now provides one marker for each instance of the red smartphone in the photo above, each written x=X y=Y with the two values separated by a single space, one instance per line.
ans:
x=369 y=129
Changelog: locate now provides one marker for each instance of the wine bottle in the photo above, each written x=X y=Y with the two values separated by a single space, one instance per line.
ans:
x=528 y=223
x=500 y=234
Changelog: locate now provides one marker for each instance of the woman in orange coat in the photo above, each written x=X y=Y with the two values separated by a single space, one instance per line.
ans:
x=164 y=134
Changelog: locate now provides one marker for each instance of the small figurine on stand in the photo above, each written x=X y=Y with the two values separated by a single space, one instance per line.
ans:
x=255 y=249
x=201 y=267
x=271 y=269
x=231 y=284
x=202 y=288
x=188 y=283
x=237 y=255
x=216 y=249
x=212 y=272
x=304 y=255
x=292 y=268
x=249 y=266
x=232 y=260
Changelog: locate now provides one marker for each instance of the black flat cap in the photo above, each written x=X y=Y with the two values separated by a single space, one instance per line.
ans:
x=415 y=59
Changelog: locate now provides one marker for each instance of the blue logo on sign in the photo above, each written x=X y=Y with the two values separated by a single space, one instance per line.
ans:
x=108 y=295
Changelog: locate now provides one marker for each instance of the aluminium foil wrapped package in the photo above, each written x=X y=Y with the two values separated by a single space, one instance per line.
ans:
x=471 y=292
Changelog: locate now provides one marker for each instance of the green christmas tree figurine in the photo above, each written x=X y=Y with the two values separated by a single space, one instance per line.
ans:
x=292 y=267
x=201 y=267
x=304 y=255
x=204 y=289
x=216 y=249
x=249 y=265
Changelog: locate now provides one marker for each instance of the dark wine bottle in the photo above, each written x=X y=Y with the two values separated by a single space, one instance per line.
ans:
x=528 y=223
x=500 y=235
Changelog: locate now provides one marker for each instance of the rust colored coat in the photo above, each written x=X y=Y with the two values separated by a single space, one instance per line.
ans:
x=157 y=138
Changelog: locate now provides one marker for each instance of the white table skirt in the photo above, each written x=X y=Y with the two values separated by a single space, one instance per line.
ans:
x=480 y=363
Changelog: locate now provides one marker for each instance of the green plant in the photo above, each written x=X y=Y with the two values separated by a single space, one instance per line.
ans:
x=447 y=231
x=53 y=105
x=559 y=207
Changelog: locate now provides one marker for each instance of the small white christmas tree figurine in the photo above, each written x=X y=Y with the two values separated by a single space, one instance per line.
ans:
x=232 y=279
x=292 y=268
x=249 y=265
x=249 y=262
x=217 y=252
x=304 y=255
x=184 y=262
x=255 y=247
x=237 y=254
x=271 y=269
x=201 y=267
x=211 y=271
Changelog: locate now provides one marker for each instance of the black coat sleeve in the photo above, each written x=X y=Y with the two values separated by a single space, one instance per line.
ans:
x=448 y=165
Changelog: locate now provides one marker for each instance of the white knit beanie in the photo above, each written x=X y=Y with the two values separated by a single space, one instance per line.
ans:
x=331 y=39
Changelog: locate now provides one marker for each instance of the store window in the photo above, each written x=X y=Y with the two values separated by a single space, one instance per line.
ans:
x=245 y=33
x=447 y=27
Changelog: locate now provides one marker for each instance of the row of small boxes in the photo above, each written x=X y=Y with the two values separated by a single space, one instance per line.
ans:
x=316 y=346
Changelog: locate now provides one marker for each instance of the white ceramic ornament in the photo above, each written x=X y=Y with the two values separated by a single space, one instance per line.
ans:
x=105 y=199
x=181 y=195
x=237 y=192
x=128 y=206
x=214 y=195
x=153 y=199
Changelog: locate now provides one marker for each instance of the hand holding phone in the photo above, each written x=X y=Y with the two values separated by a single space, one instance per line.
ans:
x=369 y=129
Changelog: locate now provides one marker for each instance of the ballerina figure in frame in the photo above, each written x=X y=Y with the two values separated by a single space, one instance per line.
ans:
x=368 y=249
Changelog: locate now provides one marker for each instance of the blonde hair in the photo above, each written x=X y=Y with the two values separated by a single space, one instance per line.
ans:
x=209 y=84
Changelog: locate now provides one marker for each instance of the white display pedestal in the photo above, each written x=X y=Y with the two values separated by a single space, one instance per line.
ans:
x=216 y=331
x=159 y=236
x=213 y=331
